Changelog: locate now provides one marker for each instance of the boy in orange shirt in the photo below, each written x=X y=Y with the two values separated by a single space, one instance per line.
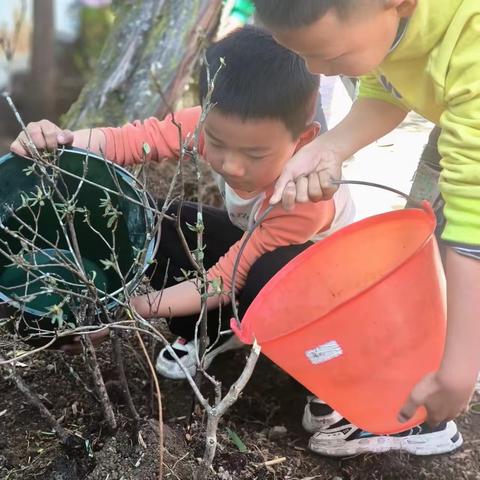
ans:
x=264 y=101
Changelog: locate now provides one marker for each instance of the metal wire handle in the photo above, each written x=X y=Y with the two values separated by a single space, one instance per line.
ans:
x=233 y=297
x=409 y=198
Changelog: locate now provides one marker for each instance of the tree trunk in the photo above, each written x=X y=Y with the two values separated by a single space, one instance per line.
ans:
x=43 y=60
x=164 y=34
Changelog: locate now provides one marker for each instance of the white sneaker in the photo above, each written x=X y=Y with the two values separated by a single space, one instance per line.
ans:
x=344 y=439
x=318 y=415
x=168 y=367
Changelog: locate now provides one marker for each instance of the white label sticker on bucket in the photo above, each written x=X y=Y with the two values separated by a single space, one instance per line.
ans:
x=324 y=353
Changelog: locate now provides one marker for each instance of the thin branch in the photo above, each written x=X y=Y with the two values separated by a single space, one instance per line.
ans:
x=117 y=350
x=91 y=357
x=32 y=149
x=159 y=400
x=35 y=401
x=77 y=377
x=215 y=413
x=233 y=298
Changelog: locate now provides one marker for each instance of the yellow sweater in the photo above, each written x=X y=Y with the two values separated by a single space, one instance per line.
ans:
x=435 y=71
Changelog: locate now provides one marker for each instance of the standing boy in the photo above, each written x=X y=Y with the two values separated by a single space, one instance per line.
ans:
x=412 y=55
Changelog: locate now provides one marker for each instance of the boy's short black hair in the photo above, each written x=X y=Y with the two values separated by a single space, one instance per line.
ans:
x=260 y=79
x=290 y=14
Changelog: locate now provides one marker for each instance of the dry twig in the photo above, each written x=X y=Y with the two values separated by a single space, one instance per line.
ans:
x=92 y=361
x=159 y=401
x=35 y=400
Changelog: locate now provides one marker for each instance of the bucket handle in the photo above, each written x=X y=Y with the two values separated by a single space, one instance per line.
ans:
x=409 y=198
x=235 y=322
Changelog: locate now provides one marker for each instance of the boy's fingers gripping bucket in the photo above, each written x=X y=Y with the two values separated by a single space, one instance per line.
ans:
x=40 y=288
x=358 y=318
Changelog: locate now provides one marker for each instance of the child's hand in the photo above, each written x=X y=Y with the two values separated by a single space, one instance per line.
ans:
x=443 y=400
x=308 y=175
x=45 y=135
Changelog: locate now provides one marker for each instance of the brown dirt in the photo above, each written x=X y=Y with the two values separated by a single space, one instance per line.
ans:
x=29 y=451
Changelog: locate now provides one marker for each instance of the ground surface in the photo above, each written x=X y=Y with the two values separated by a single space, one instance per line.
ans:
x=29 y=451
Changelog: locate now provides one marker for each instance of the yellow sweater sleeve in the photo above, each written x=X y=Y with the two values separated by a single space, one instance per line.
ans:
x=459 y=143
x=370 y=87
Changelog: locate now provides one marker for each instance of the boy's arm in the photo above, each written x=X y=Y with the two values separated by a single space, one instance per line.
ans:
x=461 y=361
x=279 y=229
x=446 y=393
x=176 y=301
x=123 y=145
x=321 y=160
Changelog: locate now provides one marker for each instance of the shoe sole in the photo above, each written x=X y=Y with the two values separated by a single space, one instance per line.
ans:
x=435 y=443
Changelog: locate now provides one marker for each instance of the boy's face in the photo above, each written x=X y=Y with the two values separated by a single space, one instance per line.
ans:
x=249 y=155
x=354 y=45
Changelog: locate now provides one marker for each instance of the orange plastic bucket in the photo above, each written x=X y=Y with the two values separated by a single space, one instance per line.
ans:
x=358 y=318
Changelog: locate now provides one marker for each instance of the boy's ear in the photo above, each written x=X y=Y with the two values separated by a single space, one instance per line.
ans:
x=310 y=132
x=405 y=8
